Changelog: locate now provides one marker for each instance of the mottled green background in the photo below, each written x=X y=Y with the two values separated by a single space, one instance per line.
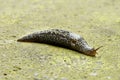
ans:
x=98 y=21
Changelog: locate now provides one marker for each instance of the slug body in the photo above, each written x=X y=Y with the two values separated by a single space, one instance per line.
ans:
x=62 y=38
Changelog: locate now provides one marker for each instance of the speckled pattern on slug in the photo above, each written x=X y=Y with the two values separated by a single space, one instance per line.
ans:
x=62 y=38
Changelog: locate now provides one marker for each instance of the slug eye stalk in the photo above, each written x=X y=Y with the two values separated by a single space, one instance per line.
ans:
x=93 y=52
x=98 y=48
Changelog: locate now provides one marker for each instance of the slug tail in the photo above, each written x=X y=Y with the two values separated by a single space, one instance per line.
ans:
x=26 y=39
x=22 y=40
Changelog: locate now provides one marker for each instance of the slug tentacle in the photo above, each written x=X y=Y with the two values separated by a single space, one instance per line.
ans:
x=98 y=48
x=62 y=38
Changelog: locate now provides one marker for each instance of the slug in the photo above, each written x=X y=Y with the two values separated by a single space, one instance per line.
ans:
x=62 y=38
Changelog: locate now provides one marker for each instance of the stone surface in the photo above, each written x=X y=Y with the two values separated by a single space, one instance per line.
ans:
x=98 y=21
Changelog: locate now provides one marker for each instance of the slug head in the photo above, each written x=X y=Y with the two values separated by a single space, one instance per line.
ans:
x=93 y=51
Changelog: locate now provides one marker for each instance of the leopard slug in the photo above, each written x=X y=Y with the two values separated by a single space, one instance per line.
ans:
x=62 y=38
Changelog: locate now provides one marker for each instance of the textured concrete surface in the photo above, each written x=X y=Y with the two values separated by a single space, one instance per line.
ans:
x=98 y=21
